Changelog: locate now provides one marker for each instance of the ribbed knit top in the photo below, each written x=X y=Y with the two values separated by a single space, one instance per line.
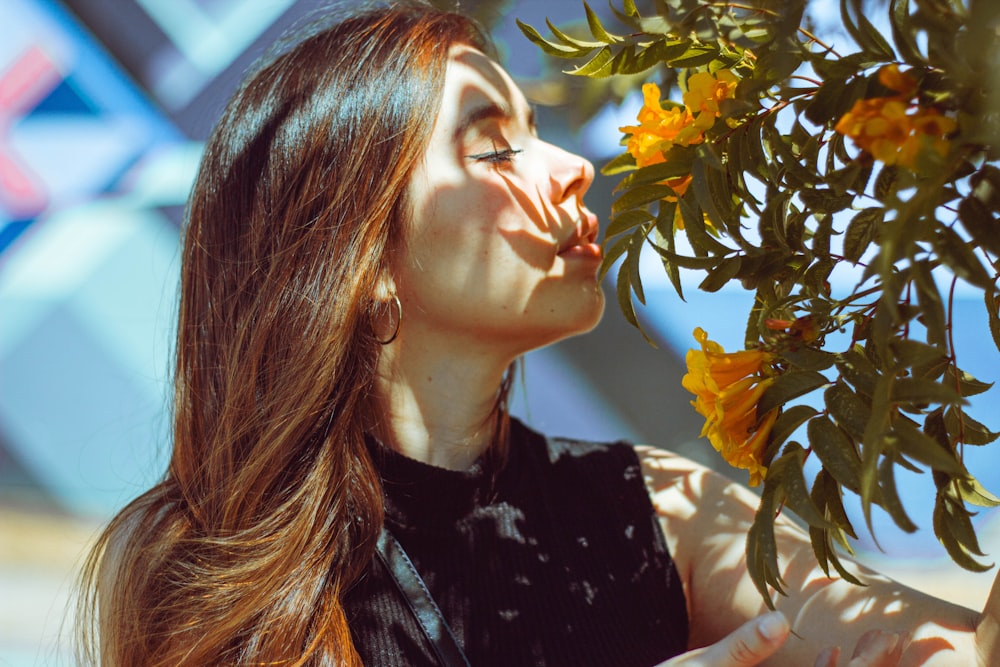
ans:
x=557 y=559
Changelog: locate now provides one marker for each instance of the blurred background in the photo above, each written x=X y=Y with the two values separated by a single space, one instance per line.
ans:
x=104 y=105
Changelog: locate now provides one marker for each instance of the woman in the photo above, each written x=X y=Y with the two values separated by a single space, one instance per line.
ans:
x=375 y=235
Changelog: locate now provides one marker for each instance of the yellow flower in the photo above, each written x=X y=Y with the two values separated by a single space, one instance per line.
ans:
x=659 y=129
x=727 y=388
x=897 y=129
x=894 y=134
x=704 y=93
x=902 y=82
x=930 y=129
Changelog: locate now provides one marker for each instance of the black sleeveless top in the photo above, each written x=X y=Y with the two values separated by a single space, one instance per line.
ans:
x=557 y=559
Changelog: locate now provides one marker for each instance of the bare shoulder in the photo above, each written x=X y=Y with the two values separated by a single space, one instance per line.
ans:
x=680 y=487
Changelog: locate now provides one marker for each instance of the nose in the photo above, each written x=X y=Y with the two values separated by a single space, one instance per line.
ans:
x=570 y=175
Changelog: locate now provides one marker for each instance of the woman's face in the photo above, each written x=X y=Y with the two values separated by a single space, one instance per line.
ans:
x=501 y=250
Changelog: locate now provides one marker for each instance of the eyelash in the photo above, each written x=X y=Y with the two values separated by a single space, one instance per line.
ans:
x=496 y=157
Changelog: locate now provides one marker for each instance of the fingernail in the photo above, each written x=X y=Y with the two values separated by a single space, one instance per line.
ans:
x=828 y=655
x=773 y=626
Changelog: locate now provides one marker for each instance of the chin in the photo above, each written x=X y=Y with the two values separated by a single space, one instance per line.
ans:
x=587 y=319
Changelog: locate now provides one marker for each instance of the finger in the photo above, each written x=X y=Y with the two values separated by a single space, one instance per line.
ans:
x=878 y=648
x=751 y=643
x=828 y=657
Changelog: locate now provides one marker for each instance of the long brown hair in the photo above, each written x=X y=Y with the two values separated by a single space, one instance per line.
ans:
x=270 y=507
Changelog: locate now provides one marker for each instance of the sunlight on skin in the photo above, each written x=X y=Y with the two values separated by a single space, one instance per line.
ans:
x=707 y=539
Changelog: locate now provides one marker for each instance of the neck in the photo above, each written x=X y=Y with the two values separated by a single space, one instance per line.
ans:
x=438 y=408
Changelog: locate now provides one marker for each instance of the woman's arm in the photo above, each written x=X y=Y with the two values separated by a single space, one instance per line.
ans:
x=706 y=519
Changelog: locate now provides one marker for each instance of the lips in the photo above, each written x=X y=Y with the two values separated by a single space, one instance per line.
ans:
x=584 y=233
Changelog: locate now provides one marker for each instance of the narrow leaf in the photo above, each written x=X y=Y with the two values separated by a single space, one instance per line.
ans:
x=596 y=29
x=890 y=495
x=596 y=65
x=787 y=473
x=861 y=232
x=788 y=386
x=914 y=443
x=551 y=48
x=836 y=451
x=789 y=420
x=849 y=410
x=943 y=531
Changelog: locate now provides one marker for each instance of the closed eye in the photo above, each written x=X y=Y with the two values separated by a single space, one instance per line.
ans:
x=496 y=157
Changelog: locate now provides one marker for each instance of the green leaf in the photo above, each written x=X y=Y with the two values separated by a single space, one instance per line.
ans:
x=931 y=305
x=685 y=262
x=826 y=494
x=551 y=48
x=825 y=200
x=885 y=182
x=809 y=358
x=946 y=527
x=600 y=63
x=826 y=554
x=861 y=231
x=982 y=226
x=963 y=428
x=708 y=200
x=720 y=275
x=993 y=314
x=864 y=33
x=640 y=196
x=596 y=29
x=788 y=386
x=914 y=443
x=919 y=391
x=612 y=253
x=621 y=163
x=890 y=495
x=678 y=162
x=630 y=282
x=914 y=354
x=622 y=63
x=627 y=220
x=874 y=443
x=664 y=232
x=572 y=41
x=903 y=32
x=855 y=367
x=629 y=10
x=786 y=472
x=836 y=451
x=958 y=255
x=823 y=107
x=696 y=55
x=762 y=550
x=967 y=385
x=784 y=155
x=848 y=409
x=945 y=533
x=788 y=421
x=960 y=522
x=694 y=227
x=971 y=491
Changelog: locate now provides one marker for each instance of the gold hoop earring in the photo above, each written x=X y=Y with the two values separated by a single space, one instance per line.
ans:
x=399 y=321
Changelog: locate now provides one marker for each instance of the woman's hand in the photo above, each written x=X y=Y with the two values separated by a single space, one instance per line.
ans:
x=758 y=639
x=875 y=649
x=748 y=645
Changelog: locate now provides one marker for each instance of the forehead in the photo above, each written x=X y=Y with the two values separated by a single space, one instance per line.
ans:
x=473 y=83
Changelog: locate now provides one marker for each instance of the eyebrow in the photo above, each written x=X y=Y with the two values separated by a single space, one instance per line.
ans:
x=491 y=111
